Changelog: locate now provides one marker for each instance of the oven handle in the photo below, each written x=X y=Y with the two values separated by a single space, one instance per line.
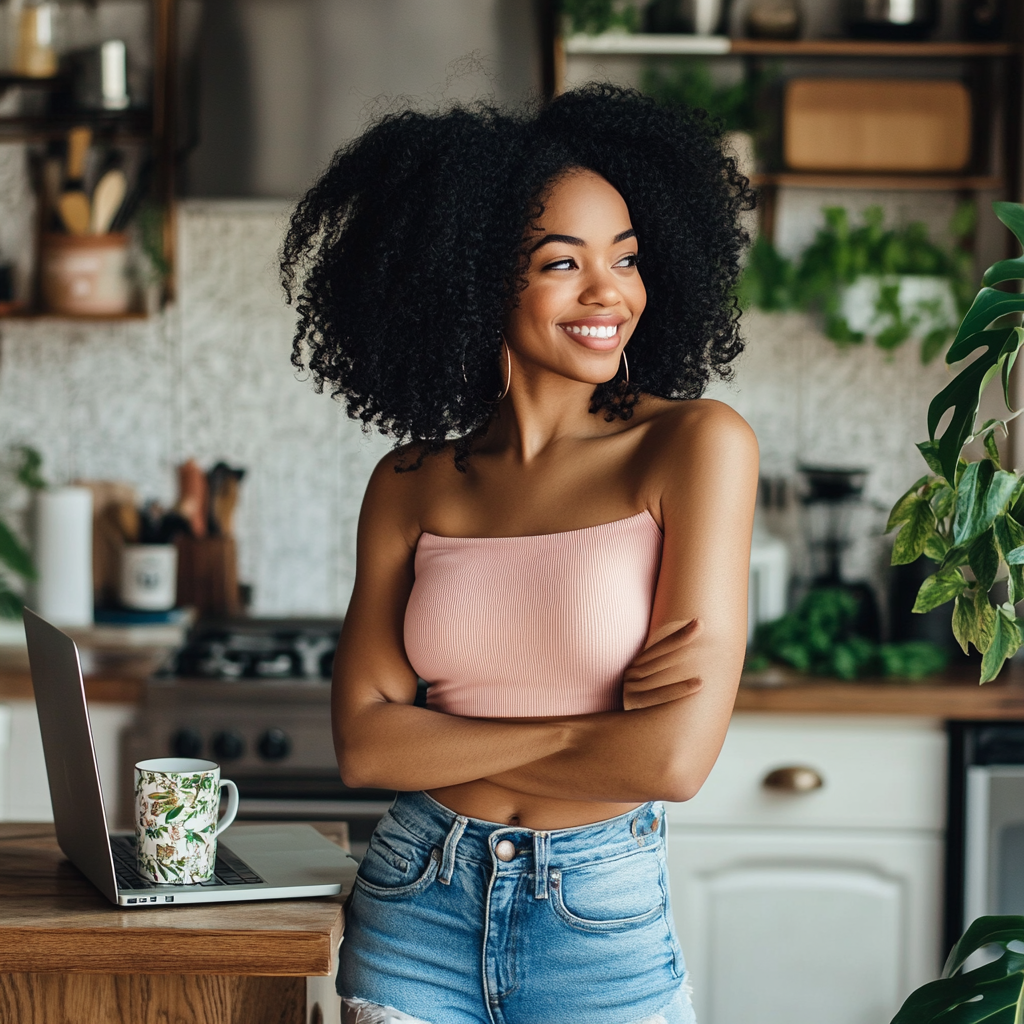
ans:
x=251 y=807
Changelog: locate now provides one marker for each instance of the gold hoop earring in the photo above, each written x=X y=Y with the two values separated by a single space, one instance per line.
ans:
x=625 y=365
x=508 y=361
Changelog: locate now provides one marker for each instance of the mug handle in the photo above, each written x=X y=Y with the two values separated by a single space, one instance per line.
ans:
x=229 y=814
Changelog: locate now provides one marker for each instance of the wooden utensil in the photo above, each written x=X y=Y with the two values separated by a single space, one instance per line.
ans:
x=107 y=198
x=75 y=209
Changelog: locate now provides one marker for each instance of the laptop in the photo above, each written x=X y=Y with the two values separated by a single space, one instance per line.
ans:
x=254 y=862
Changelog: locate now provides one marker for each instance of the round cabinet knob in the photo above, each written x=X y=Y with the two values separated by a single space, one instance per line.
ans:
x=793 y=779
x=274 y=745
x=227 y=745
x=186 y=743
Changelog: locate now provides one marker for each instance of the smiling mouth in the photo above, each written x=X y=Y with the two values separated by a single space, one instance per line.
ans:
x=594 y=329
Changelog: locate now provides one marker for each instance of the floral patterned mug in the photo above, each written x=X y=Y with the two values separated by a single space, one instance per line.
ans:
x=176 y=828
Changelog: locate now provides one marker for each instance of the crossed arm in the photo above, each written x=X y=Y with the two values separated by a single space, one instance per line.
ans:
x=677 y=694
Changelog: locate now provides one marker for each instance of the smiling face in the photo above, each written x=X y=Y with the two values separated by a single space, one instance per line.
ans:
x=584 y=294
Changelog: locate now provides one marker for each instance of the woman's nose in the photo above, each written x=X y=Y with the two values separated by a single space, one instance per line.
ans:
x=601 y=288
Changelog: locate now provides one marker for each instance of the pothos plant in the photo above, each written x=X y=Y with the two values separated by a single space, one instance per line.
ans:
x=966 y=515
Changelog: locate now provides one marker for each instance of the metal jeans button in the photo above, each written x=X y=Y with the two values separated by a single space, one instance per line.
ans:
x=505 y=850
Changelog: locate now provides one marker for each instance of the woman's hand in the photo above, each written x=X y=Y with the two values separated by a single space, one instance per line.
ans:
x=653 y=677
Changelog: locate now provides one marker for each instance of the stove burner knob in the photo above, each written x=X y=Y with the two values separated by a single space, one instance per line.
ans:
x=228 y=745
x=187 y=743
x=274 y=745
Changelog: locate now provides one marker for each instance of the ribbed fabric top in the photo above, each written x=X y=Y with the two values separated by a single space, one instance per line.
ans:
x=517 y=627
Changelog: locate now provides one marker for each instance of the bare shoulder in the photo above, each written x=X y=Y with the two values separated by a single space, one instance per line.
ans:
x=402 y=487
x=690 y=432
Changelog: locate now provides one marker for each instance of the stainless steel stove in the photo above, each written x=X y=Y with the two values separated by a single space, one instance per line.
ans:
x=254 y=696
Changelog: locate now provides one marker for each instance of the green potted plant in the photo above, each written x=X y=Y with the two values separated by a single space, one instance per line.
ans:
x=966 y=515
x=869 y=280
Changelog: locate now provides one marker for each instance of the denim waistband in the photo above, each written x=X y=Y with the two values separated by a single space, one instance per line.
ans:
x=474 y=839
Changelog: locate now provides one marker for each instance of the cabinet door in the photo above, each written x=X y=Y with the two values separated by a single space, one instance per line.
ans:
x=805 y=927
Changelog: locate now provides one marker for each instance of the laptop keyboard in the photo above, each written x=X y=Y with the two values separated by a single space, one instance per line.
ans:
x=228 y=870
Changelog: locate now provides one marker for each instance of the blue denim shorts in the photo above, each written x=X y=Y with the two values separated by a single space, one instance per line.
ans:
x=449 y=927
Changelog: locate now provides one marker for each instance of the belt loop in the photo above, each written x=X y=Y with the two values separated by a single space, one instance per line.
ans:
x=541 y=851
x=451 y=844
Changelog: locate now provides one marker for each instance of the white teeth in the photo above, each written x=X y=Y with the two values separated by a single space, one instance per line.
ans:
x=593 y=332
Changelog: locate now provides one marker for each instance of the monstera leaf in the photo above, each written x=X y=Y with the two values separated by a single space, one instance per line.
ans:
x=970 y=515
x=992 y=994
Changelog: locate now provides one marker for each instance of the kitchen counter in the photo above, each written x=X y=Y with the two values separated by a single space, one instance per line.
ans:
x=67 y=954
x=954 y=694
x=115 y=662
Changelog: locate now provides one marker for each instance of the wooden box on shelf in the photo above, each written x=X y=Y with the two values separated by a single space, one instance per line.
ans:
x=877 y=125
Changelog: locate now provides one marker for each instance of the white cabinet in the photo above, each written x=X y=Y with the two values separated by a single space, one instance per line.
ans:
x=24 y=791
x=816 y=907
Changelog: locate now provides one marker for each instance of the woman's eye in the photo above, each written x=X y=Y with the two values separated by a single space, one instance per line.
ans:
x=629 y=261
x=567 y=264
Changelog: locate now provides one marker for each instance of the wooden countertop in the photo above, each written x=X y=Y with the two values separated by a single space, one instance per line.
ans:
x=114 y=673
x=53 y=920
x=954 y=694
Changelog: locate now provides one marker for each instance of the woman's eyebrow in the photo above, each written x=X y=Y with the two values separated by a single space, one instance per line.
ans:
x=573 y=240
x=564 y=239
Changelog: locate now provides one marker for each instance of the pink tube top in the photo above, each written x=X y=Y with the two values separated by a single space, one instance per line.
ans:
x=518 y=627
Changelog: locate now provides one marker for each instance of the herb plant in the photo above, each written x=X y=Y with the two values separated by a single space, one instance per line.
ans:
x=967 y=515
x=840 y=253
x=819 y=637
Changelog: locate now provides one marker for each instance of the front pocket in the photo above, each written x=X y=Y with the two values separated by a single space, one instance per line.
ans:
x=396 y=862
x=610 y=895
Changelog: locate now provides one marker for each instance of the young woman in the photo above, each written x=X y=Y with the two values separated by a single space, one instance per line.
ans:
x=534 y=304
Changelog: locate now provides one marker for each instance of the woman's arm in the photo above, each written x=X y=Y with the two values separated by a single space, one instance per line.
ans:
x=381 y=739
x=680 y=690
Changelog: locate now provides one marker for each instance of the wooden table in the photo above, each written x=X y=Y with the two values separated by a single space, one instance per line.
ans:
x=68 y=956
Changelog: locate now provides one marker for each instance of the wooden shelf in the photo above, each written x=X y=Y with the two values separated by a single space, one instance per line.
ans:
x=868 y=48
x=642 y=44
x=133 y=124
x=92 y=319
x=880 y=182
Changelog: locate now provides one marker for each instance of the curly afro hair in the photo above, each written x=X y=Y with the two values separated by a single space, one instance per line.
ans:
x=406 y=255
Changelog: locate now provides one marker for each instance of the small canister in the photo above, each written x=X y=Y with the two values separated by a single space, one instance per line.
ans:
x=149 y=576
x=86 y=274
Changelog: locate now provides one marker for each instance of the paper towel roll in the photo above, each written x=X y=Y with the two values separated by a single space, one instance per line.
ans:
x=62 y=548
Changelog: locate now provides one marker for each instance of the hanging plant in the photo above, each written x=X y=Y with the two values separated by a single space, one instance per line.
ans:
x=869 y=281
x=967 y=516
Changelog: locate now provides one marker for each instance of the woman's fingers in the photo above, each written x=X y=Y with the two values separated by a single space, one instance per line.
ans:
x=671 y=642
x=633 y=699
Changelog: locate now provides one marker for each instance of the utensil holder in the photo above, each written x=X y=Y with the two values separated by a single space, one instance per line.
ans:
x=208 y=576
x=86 y=274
